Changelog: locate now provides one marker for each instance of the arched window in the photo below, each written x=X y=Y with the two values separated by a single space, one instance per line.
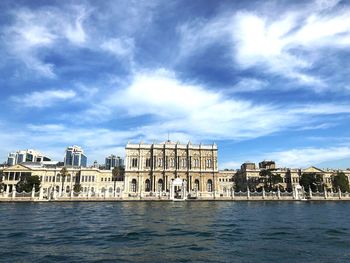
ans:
x=133 y=185
x=160 y=162
x=68 y=178
x=92 y=189
x=111 y=190
x=160 y=185
x=118 y=190
x=183 y=162
x=103 y=190
x=210 y=185
x=172 y=162
x=67 y=189
x=196 y=185
x=148 y=185
x=196 y=163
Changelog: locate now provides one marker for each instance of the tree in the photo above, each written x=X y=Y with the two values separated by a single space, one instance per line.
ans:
x=64 y=174
x=270 y=179
x=340 y=180
x=26 y=184
x=311 y=180
x=118 y=173
x=77 y=188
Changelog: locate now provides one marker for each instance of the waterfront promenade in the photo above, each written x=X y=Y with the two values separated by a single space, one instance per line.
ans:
x=296 y=195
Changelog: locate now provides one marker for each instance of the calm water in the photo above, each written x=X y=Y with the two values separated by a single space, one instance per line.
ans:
x=175 y=232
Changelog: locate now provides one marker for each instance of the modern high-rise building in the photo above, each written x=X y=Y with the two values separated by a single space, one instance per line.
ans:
x=75 y=157
x=29 y=155
x=113 y=161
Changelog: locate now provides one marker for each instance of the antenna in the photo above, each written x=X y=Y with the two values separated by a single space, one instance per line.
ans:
x=168 y=137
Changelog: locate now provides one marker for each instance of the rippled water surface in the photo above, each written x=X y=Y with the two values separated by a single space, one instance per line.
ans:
x=175 y=232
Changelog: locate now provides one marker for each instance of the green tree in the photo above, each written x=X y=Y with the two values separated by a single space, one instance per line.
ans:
x=63 y=173
x=118 y=173
x=271 y=180
x=311 y=180
x=340 y=180
x=26 y=184
x=77 y=188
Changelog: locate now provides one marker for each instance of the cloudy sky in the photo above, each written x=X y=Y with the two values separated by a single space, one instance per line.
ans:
x=262 y=79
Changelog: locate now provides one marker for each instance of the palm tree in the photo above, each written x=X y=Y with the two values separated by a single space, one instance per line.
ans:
x=64 y=174
x=118 y=173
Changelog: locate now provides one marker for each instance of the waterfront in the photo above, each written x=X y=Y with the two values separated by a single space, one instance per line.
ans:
x=175 y=232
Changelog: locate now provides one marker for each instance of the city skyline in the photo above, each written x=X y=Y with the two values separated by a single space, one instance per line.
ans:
x=263 y=80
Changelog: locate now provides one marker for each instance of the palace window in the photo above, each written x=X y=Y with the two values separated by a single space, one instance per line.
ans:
x=172 y=162
x=148 y=185
x=196 y=163
x=148 y=162
x=160 y=162
x=196 y=185
x=134 y=162
x=133 y=185
x=210 y=185
x=160 y=185
x=183 y=163
x=208 y=163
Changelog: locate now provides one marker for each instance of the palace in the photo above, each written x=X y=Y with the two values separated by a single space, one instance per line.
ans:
x=151 y=168
x=167 y=171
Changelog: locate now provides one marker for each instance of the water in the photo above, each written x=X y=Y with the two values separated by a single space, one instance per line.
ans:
x=175 y=232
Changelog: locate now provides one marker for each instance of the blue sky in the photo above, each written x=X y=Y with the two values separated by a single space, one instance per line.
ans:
x=262 y=79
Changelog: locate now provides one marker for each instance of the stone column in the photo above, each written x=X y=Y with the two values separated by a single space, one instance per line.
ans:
x=278 y=193
x=248 y=193
x=7 y=190
x=13 y=192
x=54 y=193
x=41 y=193
x=263 y=193
x=339 y=192
x=310 y=192
x=171 y=190
x=33 y=192
x=325 y=192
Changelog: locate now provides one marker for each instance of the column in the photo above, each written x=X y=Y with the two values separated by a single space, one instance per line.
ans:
x=33 y=192
x=263 y=193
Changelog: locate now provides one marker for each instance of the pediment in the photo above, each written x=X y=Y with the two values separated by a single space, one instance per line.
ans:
x=313 y=169
x=17 y=167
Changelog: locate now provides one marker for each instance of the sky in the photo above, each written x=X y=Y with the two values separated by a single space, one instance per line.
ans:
x=261 y=79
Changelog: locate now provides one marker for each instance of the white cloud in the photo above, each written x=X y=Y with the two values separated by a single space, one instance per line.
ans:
x=249 y=85
x=304 y=157
x=290 y=44
x=197 y=113
x=41 y=99
x=120 y=47
x=34 y=31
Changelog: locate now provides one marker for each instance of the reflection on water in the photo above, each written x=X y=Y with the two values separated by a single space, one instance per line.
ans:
x=175 y=232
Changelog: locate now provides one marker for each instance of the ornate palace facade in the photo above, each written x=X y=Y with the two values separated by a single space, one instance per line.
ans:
x=150 y=168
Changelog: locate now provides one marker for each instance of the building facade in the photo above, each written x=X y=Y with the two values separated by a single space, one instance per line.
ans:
x=75 y=157
x=90 y=180
x=150 y=168
x=26 y=156
x=113 y=161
